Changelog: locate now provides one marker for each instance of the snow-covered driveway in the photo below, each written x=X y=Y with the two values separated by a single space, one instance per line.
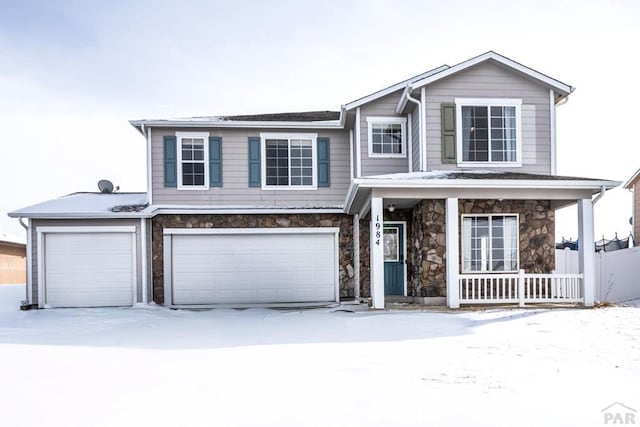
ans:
x=156 y=367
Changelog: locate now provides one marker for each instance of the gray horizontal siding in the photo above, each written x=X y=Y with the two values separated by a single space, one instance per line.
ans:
x=383 y=107
x=489 y=80
x=125 y=222
x=415 y=134
x=235 y=190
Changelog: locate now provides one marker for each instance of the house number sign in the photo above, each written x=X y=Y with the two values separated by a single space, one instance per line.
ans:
x=378 y=227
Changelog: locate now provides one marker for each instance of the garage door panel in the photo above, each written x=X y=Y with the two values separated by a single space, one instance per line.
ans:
x=89 y=269
x=253 y=268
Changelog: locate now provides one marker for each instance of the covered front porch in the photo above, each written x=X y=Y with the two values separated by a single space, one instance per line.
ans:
x=474 y=238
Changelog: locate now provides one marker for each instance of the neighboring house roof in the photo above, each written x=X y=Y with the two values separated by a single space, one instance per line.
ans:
x=12 y=240
x=87 y=205
x=629 y=184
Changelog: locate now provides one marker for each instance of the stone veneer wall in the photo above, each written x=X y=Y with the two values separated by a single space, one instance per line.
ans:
x=428 y=250
x=344 y=222
x=536 y=229
x=427 y=240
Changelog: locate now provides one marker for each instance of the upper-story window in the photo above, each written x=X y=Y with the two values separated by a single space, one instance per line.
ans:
x=488 y=132
x=289 y=161
x=193 y=167
x=387 y=136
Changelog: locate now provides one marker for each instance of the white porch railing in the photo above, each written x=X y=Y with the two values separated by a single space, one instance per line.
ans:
x=520 y=288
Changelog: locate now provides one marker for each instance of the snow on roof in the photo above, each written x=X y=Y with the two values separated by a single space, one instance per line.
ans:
x=87 y=205
x=476 y=174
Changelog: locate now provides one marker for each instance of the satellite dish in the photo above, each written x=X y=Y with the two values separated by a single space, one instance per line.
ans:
x=105 y=186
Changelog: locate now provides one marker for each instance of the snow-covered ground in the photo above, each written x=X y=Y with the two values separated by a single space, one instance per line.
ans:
x=156 y=367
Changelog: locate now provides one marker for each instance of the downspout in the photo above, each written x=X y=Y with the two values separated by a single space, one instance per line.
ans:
x=27 y=288
x=600 y=195
x=420 y=130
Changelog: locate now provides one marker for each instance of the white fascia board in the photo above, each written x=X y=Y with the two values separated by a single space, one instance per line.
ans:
x=80 y=215
x=253 y=230
x=391 y=89
x=560 y=87
x=329 y=124
x=486 y=183
x=632 y=180
x=192 y=210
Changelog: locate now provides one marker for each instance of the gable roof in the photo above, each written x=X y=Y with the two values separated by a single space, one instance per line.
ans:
x=393 y=88
x=562 y=88
x=336 y=119
x=632 y=180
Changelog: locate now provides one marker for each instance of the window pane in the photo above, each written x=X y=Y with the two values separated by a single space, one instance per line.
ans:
x=475 y=134
x=503 y=133
x=386 y=138
x=277 y=161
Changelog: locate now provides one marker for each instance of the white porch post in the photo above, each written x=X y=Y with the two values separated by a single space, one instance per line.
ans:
x=586 y=250
x=377 y=254
x=453 y=289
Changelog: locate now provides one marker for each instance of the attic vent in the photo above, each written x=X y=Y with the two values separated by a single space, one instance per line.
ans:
x=106 y=186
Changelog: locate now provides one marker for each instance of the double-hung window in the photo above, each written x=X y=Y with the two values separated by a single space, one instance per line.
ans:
x=489 y=243
x=387 y=136
x=488 y=131
x=289 y=161
x=193 y=155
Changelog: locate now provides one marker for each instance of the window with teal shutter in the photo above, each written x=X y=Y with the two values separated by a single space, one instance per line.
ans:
x=215 y=161
x=170 y=161
x=323 y=162
x=254 y=162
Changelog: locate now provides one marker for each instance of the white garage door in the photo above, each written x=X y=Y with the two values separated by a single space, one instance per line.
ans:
x=89 y=269
x=253 y=268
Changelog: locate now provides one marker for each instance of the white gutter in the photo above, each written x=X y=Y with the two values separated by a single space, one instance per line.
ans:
x=29 y=286
x=329 y=124
x=420 y=122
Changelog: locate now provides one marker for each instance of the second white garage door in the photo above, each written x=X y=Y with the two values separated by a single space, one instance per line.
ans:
x=240 y=268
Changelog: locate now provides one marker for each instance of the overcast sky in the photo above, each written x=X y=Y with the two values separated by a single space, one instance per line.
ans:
x=72 y=73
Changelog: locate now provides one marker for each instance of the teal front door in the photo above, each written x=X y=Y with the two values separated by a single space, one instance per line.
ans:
x=394 y=259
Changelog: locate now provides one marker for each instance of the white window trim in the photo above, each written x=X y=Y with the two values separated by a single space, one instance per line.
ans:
x=263 y=160
x=179 y=137
x=489 y=102
x=467 y=271
x=390 y=120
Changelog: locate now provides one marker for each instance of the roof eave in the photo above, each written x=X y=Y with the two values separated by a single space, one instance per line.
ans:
x=596 y=186
x=328 y=124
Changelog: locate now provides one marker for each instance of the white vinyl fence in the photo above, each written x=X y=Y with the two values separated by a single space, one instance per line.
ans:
x=617 y=272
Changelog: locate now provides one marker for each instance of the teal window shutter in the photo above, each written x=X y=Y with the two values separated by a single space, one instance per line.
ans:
x=448 y=124
x=323 y=162
x=254 y=161
x=215 y=161
x=170 y=161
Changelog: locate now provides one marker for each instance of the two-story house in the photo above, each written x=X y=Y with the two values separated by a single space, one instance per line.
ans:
x=440 y=189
